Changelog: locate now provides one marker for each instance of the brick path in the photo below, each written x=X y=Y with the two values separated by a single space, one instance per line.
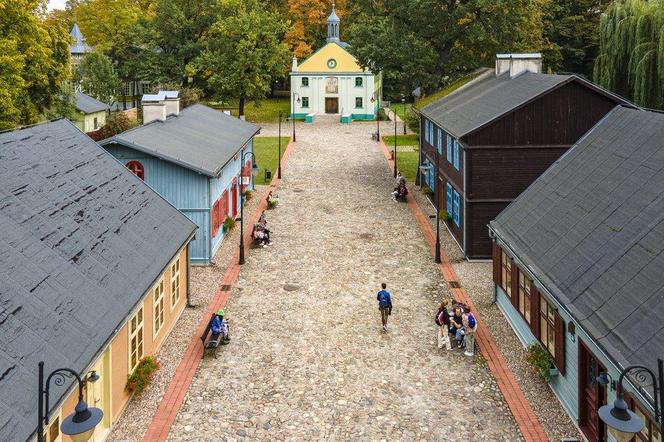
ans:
x=308 y=359
x=531 y=429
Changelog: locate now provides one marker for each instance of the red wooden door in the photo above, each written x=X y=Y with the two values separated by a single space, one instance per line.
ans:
x=234 y=191
x=591 y=396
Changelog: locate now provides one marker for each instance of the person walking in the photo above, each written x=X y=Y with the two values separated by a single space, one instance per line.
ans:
x=384 y=305
x=443 y=322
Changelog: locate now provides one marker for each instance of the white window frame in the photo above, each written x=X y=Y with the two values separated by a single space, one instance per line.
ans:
x=139 y=328
x=175 y=282
x=158 y=307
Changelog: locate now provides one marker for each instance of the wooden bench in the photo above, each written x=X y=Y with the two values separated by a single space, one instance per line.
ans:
x=212 y=345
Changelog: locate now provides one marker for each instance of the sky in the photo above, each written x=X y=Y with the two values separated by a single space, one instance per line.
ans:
x=56 y=4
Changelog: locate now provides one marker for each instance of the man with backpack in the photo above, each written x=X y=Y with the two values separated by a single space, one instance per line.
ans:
x=442 y=320
x=384 y=305
x=470 y=329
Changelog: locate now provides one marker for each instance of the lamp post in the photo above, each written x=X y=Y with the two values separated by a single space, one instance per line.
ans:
x=395 y=144
x=622 y=422
x=403 y=104
x=293 y=114
x=279 y=157
x=80 y=425
x=254 y=170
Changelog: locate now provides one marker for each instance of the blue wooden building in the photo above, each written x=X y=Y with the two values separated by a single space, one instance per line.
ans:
x=578 y=263
x=193 y=159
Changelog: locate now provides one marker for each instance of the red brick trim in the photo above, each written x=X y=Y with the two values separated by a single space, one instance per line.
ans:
x=525 y=417
x=170 y=404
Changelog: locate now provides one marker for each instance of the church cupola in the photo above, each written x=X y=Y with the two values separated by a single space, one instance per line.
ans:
x=333 y=26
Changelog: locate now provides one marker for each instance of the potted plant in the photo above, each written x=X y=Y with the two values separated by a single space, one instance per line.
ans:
x=248 y=195
x=444 y=216
x=229 y=223
x=142 y=375
x=427 y=190
x=541 y=361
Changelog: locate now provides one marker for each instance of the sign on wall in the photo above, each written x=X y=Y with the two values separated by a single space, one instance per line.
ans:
x=331 y=85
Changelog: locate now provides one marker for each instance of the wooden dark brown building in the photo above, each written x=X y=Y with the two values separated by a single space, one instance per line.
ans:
x=486 y=142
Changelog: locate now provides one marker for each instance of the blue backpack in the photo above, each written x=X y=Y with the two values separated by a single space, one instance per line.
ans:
x=384 y=300
x=471 y=320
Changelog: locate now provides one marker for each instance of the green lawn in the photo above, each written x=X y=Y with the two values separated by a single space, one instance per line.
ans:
x=399 y=108
x=266 y=150
x=265 y=111
x=407 y=154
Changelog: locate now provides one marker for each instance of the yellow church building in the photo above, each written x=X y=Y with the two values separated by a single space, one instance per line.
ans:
x=332 y=82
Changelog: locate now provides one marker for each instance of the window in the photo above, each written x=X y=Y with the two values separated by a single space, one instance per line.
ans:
x=96 y=123
x=52 y=432
x=358 y=102
x=359 y=82
x=158 y=303
x=135 y=339
x=457 y=209
x=426 y=131
x=525 y=289
x=440 y=141
x=448 y=199
x=305 y=102
x=431 y=134
x=547 y=334
x=137 y=169
x=305 y=81
x=457 y=164
x=450 y=142
x=175 y=282
x=506 y=273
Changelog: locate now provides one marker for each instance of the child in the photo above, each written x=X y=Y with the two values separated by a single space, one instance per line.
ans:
x=443 y=322
x=456 y=325
x=470 y=329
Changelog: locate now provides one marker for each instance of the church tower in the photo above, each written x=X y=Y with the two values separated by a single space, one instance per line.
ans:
x=333 y=26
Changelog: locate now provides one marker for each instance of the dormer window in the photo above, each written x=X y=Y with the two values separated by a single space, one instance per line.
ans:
x=137 y=169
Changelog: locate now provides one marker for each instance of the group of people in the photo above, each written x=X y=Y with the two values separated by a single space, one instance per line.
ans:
x=261 y=233
x=459 y=324
x=400 y=191
x=272 y=200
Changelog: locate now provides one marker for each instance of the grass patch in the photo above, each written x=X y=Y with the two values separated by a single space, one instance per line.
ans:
x=399 y=109
x=266 y=150
x=265 y=111
x=402 y=140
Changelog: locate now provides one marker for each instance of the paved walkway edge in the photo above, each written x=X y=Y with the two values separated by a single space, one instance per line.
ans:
x=174 y=396
x=525 y=417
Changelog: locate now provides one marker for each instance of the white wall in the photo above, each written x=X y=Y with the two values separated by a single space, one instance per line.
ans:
x=347 y=93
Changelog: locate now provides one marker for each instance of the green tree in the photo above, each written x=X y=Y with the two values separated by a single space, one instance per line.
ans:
x=244 y=52
x=631 y=51
x=64 y=106
x=97 y=77
x=105 y=22
x=34 y=61
x=428 y=42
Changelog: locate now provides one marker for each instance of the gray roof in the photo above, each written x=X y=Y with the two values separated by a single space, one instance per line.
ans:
x=79 y=46
x=489 y=97
x=89 y=105
x=199 y=138
x=83 y=239
x=591 y=228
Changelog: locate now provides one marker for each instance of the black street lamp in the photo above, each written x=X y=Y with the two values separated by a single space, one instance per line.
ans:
x=279 y=157
x=403 y=104
x=80 y=425
x=254 y=170
x=395 y=143
x=293 y=114
x=622 y=422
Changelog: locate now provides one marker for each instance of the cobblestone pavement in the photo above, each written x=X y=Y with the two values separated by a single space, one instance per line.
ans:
x=307 y=359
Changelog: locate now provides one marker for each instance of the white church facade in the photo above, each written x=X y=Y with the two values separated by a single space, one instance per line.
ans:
x=331 y=81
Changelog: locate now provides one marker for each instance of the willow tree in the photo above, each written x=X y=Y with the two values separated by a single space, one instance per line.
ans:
x=631 y=54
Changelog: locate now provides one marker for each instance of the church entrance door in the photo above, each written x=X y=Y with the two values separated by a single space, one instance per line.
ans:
x=331 y=105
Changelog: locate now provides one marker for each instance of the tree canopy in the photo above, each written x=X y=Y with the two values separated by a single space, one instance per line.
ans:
x=34 y=61
x=97 y=77
x=631 y=51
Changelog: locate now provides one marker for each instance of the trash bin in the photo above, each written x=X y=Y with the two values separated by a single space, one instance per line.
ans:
x=268 y=174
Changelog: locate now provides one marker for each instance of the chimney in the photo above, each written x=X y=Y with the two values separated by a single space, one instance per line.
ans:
x=172 y=100
x=518 y=63
x=294 y=66
x=154 y=108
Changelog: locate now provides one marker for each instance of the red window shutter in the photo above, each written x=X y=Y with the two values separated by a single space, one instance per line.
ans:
x=496 y=264
x=515 y=285
x=535 y=311
x=223 y=209
x=559 y=357
x=215 y=218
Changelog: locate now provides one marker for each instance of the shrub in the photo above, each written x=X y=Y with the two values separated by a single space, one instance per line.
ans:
x=229 y=223
x=426 y=190
x=248 y=195
x=540 y=359
x=412 y=120
x=142 y=375
x=443 y=215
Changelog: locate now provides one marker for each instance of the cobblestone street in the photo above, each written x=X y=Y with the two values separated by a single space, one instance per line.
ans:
x=308 y=359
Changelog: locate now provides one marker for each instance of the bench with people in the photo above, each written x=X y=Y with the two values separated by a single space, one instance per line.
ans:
x=260 y=232
x=457 y=325
x=400 y=191
x=219 y=332
x=272 y=200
